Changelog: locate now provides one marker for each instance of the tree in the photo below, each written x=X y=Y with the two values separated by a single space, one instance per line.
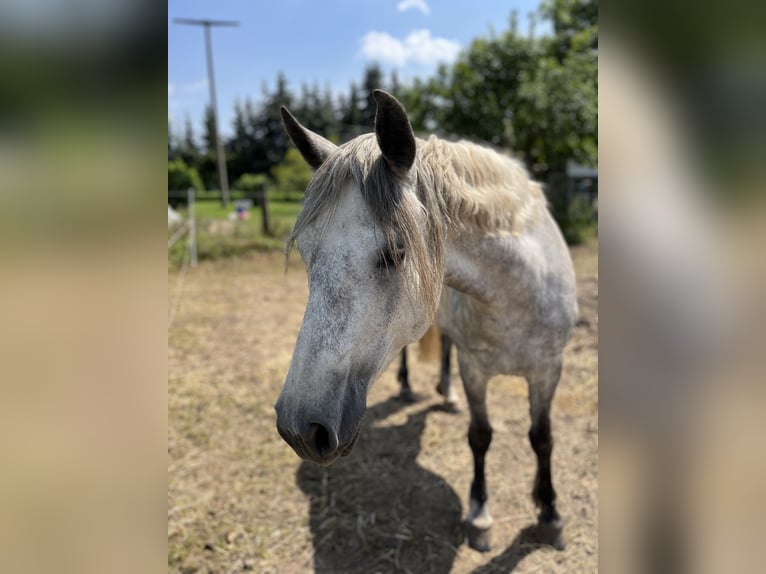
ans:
x=556 y=116
x=209 y=136
x=395 y=86
x=535 y=96
x=242 y=145
x=173 y=151
x=181 y=177
x=328 y=115
x=373 y=80
x=293 y=174
x=266 y=124
x=351 y=114
x=206 y=163
x=250 y=182
x=187 y=147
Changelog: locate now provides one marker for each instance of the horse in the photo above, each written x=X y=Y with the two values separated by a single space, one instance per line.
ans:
x=397 y=233
x=444 y=386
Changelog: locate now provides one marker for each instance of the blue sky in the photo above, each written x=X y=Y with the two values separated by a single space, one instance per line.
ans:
x=328 y=42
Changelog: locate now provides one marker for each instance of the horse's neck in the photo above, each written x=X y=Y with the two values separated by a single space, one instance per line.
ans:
x=472 y=263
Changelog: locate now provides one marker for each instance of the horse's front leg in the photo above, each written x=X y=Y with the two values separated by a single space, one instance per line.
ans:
x=542 y=386
x=479 y=521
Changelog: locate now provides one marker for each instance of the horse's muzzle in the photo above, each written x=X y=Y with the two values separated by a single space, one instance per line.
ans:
x=318 y=440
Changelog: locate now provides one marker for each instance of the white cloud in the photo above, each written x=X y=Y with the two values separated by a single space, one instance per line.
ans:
x=421 y=5
x=196 y=86
x=181 y=89
x=383 y=47
x=419 y=46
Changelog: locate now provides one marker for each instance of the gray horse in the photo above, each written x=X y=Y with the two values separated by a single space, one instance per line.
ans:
x=397 y=233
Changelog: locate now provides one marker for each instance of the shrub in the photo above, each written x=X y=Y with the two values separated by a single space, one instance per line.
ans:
x=250 y=182
x=292 y=175
x=181 y=177
x=575 y=215
x=577 y=219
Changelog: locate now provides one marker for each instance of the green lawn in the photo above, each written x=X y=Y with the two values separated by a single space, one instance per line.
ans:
x=219 y=236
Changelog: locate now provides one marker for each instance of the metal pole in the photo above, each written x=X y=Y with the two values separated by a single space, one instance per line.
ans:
x=223 y=176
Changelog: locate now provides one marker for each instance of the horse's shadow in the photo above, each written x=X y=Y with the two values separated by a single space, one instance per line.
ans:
x=529 y=540
x=378 y=509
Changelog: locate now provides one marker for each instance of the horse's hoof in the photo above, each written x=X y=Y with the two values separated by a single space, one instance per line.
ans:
x=478 y=539
x=554 y=538
x=407 y=396
x=550 y=531
x=450 y=407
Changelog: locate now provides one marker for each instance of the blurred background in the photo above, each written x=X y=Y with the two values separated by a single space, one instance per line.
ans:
x=502 y=75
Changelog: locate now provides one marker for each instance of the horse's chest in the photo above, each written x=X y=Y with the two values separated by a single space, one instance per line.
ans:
x=509 y=337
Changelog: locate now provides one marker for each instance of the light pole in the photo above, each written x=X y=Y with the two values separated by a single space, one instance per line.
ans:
x=223 y=176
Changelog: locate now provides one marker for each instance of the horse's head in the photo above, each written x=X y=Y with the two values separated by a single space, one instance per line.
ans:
x=374 y=262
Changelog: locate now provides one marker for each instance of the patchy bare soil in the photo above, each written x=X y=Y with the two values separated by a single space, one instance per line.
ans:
x=239 y=499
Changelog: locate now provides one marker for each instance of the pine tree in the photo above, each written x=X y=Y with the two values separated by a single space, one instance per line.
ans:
x=373 y=80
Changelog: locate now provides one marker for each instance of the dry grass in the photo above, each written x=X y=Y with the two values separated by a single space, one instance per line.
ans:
x=240 y=500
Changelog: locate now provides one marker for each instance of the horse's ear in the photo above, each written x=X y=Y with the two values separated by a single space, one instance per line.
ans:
x=313 y=147
x=394 y=132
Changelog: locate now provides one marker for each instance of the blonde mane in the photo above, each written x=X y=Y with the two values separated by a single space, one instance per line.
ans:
x=479 y=188
x=459 y=184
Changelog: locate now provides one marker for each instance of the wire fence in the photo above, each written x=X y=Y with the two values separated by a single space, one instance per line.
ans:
x=189 y=228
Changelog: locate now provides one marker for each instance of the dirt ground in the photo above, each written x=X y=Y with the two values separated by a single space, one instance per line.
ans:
x=239 y=499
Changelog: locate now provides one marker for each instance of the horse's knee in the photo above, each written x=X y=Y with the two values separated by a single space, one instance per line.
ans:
x=540 y=438
x=479 y=437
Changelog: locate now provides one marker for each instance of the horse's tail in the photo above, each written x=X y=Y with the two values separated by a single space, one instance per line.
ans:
x=429 y=348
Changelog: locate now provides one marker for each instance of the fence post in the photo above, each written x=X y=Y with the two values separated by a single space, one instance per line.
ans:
x=192 y=239
x=263 y=203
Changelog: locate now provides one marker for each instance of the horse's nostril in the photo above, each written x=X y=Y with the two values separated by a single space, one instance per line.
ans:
x=321 y=441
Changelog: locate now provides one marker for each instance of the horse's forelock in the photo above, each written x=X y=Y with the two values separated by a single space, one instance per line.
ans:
x=399 y=219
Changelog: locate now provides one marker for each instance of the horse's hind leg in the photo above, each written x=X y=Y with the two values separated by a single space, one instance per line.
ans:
x=542 y=386
x=445 y=387
x=405 y=392
x=479 y=520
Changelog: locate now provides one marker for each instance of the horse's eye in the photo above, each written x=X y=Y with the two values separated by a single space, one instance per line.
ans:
x=391 y=259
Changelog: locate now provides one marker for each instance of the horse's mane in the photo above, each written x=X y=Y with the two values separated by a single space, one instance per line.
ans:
x=479 y=188
x=460 y=185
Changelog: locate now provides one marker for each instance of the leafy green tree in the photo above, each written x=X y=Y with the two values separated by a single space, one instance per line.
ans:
x=251 y=182
x=424 y=102
x=478 y=93
x=293 y=174
x=556 y=114
x=533 y=95
x=181 y=177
